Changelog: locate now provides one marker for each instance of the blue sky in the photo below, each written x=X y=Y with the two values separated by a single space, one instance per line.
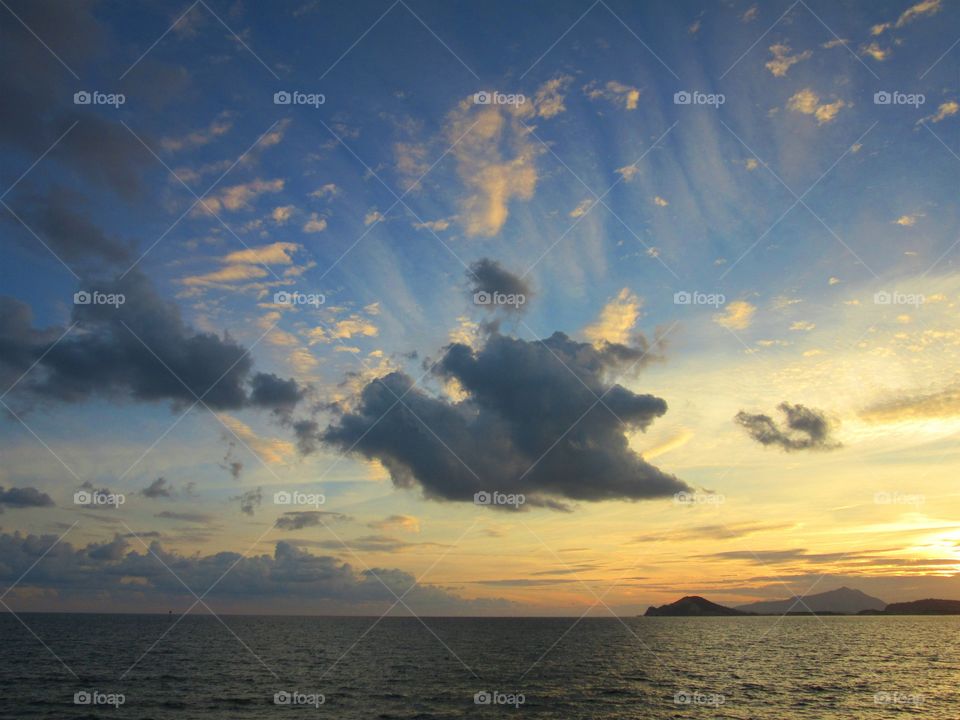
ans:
x=794 y=198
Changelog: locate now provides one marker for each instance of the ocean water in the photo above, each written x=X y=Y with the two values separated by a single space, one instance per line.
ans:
x=152 y=666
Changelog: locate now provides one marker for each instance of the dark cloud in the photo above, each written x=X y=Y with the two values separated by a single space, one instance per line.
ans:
x=488 y=277
x=142 y=349
x=249 y=501
x=531 y=424
x=38 y=107
x=185 y=516
x=160 y=487
x=307 y=518
x=805 y=428
x=24 y=497
x=57 y=218
x=289 y=578
x=270 y=391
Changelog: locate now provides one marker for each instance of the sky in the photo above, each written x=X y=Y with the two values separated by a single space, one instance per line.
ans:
x=477 y=309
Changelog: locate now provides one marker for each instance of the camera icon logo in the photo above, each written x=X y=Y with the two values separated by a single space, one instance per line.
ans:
x=282 y=97
x=82 y=97
x=82 y=497
x=682 y=298
x=282 y=698
x=82 y=697
x=682 y=98
x=482 y=498
x=882 y=298
x=882 y=97
x=82 y=297
x=482 y=698
x=282 y=498
x=482 y=98
x=482 y=298
x=282 y=297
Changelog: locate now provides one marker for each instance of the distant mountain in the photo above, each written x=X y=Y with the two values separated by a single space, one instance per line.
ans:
x=924 y=607
x=692 y=606
x=842 y=600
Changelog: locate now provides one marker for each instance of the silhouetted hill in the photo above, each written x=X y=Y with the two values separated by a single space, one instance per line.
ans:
x=929 y=606
x=692 y=606
x=842 y=600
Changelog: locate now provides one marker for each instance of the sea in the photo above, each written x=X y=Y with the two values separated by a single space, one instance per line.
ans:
x=239 y=667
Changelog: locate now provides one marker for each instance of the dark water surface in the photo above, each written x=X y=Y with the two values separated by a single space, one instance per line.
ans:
x=796 y=667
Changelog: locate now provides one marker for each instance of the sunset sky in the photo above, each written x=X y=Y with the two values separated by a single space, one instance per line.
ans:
x=805 y=403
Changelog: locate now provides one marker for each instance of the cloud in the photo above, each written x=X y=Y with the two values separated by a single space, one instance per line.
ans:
x=947 y=109
x=495 y=162
x=490 y=277
x=914 y=12
x=530 y=423
x=24 y=498
x=628 y=172
x=617 y=319
x=782 y=59
x=249 y=501
x=198 y=138
x=123 y=574
x=802 y=325
x=941 y=403
x=160 y=487
x=238 y=197
x=907 y=220
x=751 y=14
x=58 y=217
x=805 y=429
x=201 y=518
x=315 y=224
x=373 y=216
x=306 y=519
x=548 y=99
x=282 y=214
x=807 y=102
x=273 y=451
x=582 y=208
x=874 y=51
x=330 y=190
x=659 y=201
x=736 y=316
x=38 y=103
x=435 y=225
x=141 y=350
x=244 y=265
x=617 y=93
x=409 y=523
